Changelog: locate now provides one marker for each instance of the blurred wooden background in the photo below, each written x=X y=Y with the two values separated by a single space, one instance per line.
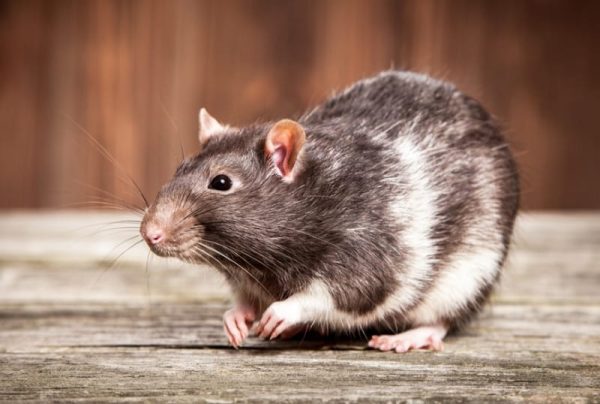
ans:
x=135 y=73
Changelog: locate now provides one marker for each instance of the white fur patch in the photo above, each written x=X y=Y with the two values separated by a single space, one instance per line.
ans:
x=473 y=267
x=458 y=284
x=417 y=212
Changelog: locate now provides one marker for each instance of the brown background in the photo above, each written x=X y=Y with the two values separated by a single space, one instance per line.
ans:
x=135 y=73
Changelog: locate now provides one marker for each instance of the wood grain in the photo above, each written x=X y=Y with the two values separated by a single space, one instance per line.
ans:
x=132 y=335
x=135 y=73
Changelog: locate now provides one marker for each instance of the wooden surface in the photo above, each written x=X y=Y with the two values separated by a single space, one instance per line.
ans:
x=135 y=74
x=72 y=331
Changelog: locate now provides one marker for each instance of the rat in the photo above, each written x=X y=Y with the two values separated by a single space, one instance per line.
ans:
x=389 y=207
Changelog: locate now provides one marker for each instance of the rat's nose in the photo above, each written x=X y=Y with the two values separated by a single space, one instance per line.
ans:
x=154 y=235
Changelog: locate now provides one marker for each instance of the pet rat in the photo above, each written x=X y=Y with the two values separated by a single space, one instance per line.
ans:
x=389 y=207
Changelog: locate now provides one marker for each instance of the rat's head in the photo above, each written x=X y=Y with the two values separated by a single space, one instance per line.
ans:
x=222 y=203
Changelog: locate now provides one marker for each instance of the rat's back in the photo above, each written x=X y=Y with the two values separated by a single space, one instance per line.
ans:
x=455 y=184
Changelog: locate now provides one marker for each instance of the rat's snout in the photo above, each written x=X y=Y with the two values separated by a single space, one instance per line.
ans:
x=169 y=230
x=153 y=234
x=156 y=233
x=159 y=235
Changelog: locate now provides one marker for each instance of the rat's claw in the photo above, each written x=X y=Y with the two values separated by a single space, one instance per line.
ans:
x=231 y=335
x=266 y=317
x=231 y=330
x=268 y=325
x=279 y=317
x=240 y=322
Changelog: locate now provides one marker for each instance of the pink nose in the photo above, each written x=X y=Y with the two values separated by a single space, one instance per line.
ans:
x=155 y=236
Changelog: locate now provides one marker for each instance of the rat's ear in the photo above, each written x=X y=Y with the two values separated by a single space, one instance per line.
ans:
x=284 y=144
x=208 y=126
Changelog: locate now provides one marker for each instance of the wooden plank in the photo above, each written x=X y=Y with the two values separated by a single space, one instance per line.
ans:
x=177 y=375
x=544 y=278
x=178 y=352
x=503 y=328
x=39 y=282
x=68 y=334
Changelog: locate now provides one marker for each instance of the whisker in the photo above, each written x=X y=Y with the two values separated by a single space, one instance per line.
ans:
x=197 y=212
x=121 y=229
x=228 y=249
x=239 y=266
x=103 y=226
x=210 y=260
x=103 y=204
x=113 y=197
x=114 y=261
x=272 y=260
x=105 y=153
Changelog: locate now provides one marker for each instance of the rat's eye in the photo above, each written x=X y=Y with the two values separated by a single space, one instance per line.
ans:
x=221 y=183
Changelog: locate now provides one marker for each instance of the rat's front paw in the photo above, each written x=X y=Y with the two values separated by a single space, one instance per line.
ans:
x=278 y=318
x=236 y=322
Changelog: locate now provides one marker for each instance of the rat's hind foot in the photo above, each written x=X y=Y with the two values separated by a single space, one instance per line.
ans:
x=425 y=337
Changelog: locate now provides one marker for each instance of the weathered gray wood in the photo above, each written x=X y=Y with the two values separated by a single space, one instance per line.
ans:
x=27 y=327
x=248 y=375
x=69 y=332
